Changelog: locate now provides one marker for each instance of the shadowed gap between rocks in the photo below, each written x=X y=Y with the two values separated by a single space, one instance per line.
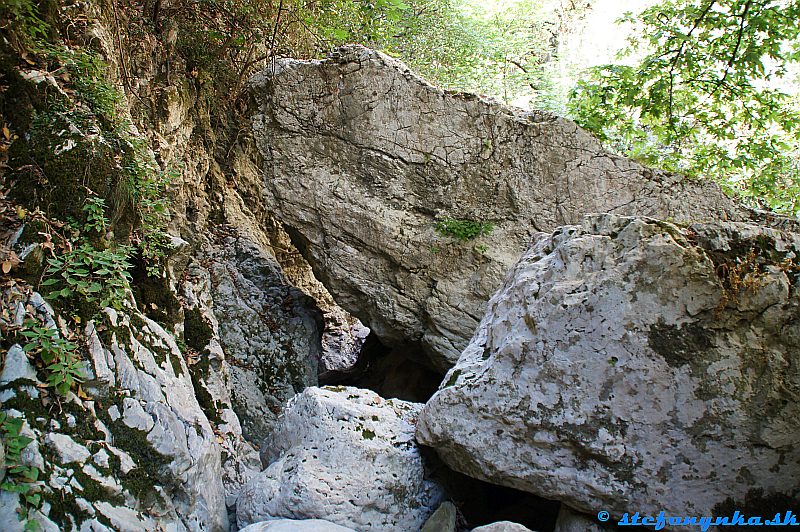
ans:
x=481 y=503
x=387 y=372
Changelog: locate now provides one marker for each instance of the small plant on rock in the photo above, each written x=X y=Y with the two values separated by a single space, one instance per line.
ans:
x=20 y=478
x=87 y=271
x=463 y=230
x=59 y=356
x=98 y=276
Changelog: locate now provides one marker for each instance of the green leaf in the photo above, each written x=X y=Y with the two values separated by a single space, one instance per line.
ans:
x=14 y=488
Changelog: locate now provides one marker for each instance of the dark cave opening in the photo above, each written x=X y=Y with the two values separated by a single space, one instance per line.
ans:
x=481 y=503
x=387 y=371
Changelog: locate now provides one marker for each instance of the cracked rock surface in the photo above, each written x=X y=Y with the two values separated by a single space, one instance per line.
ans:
x=632 y=364
x=361 y=157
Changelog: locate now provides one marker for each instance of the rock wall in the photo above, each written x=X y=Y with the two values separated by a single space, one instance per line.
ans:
x=361 y=157
x=237 y=266
x=629 y=364
x=134 y=451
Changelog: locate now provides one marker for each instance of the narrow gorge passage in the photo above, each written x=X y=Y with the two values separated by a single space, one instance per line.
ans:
x=325 y=294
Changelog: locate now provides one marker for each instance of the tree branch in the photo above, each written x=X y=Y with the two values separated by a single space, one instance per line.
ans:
x=674 y=65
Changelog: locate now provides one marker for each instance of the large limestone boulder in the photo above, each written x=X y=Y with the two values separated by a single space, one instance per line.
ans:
x=344 y=455
x=362 y=157
x=630 y=364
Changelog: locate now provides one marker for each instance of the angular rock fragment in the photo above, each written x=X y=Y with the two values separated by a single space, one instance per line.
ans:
x=570 y=521
x=443 y=519
x=502 y=526
x=295 y=525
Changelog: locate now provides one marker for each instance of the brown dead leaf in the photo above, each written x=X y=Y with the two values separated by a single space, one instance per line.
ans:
x=27 y=59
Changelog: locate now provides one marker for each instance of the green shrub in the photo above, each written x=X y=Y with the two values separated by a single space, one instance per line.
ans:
x=463 y=229
x=97 y=276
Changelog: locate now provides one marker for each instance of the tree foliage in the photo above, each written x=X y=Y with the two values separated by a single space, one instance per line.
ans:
x=459 y=44
x=708 y=98
x=500 y=49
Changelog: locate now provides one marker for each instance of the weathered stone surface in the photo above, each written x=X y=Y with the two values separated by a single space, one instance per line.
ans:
x=342 y=341
x=345 y=455
x=631 y=365
x=502 y=526
x=270 y=332
x=443 y=519
x=17 y=366
x=163 y=406
x=66 y=448
x=361 y=157
x=570 y=521
x=295 y=525
x=344 y=334
x=156 y=463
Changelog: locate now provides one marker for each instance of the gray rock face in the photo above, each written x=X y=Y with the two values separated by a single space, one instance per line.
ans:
x=66 y=448
x=443 y=519
x=294 y=525
x=631 y=364
x=271 y=333
x=345 y=455
x=362 y=157
x=16 y=367
x=139 y=451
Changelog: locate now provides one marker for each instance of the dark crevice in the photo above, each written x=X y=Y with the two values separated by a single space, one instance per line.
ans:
x=481 y=503
x=387 y=371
